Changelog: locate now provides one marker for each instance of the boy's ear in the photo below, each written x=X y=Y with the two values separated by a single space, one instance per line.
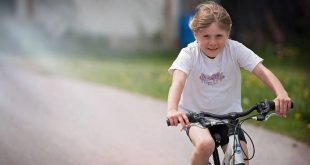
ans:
x=195 y=35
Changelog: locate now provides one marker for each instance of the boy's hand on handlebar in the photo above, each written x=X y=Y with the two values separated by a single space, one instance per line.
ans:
x=175 y=117
x=282 y=105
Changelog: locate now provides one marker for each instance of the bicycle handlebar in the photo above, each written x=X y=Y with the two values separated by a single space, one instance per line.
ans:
x=263 y=107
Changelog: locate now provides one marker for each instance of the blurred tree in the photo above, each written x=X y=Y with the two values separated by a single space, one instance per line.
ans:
x=265 y=22
x=24 y=9
x=6 y=7
x=268 y=21
x=168 y=41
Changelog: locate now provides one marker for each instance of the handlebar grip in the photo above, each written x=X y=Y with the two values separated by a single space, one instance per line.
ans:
x=187 y=114
x=272 y=105
x=292 y=105
x=168 y=122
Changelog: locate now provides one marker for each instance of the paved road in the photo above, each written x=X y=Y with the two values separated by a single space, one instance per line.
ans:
x=50 y=120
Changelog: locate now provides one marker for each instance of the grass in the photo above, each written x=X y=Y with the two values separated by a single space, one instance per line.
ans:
x=297 y=123
x=146 y=73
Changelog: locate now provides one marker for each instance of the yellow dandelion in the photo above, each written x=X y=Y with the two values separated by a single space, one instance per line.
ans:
x=297 y=116
x=125 y=78
x=252 y=78
x=306 y=93
x=308 y=125
x=260 y=84
x=147 y=76
x=246 y=101
x=162 y=78
x=247 y=83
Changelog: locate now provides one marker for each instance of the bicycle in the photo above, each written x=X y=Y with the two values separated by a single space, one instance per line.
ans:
x=233 y=154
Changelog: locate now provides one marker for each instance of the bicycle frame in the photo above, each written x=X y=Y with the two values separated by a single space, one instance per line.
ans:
x=233 y=154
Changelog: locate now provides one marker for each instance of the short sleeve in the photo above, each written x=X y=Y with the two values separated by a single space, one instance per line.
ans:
x=183 y=62
x=246 y=58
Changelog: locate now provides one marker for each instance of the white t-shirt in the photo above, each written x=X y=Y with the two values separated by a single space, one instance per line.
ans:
x=213 y=85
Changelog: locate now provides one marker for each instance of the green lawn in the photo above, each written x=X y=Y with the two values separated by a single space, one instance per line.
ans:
x=146 y=73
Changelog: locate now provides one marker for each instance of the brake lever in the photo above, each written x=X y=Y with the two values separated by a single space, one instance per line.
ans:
x=259 y=117
x=269 y=115
x=262 y=117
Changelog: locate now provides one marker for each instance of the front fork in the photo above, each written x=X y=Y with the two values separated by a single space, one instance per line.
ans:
x=233 y=155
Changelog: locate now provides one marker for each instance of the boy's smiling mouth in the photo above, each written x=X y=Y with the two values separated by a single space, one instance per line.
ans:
x=212 y=49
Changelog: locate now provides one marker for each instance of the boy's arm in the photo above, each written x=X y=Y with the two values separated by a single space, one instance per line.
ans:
x=282 y=100
x=175 y=91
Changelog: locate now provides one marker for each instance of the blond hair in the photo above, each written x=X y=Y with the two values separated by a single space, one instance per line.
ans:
x=208 y=13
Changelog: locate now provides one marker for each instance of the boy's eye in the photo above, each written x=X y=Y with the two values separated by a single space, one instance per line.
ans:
x=216 y=36
x=219 y=36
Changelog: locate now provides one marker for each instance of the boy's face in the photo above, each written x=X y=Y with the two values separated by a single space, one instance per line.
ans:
x=211 y=40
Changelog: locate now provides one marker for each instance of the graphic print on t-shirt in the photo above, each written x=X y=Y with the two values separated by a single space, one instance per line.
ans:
x=213 y=79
